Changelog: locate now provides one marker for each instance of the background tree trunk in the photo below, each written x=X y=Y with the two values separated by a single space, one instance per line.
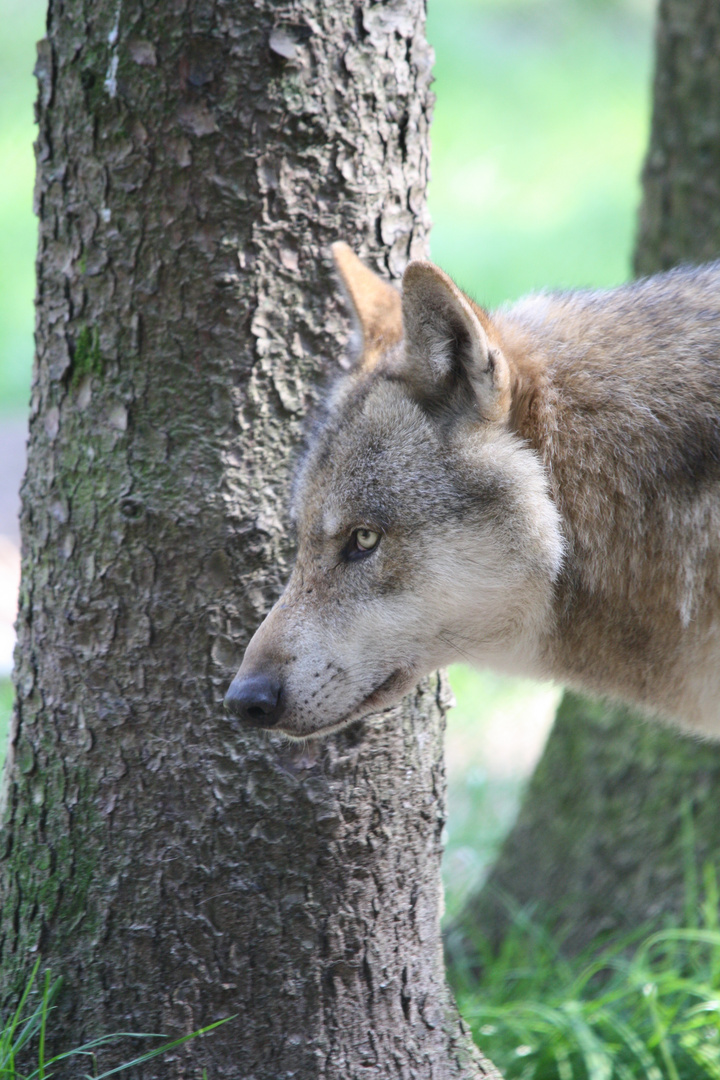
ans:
x=680 y=212
x=195 y=160
x=620 y=815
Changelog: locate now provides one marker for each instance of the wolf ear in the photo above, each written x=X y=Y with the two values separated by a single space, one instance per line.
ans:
x=449 y=362
x=376 y=305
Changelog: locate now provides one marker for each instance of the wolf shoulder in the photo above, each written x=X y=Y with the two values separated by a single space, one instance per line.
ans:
x=637 y=367
x=627 y=421
x=664 y=328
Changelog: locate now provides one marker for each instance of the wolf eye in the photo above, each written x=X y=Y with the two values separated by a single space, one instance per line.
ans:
x=366 y=539
x=362 y=542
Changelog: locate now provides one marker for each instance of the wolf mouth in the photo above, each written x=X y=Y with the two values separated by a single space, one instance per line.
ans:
x=392 y=680
x=364 y=706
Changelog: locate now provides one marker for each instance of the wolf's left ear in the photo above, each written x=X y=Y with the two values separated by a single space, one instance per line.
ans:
x=449 y=361
x=375 y=304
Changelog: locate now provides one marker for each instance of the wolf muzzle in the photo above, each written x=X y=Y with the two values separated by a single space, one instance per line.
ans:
x=255 y=700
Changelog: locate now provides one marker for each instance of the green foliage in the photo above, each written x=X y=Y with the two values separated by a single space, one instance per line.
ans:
x=540 y=125
x=28 y=1027
x=22 y=26
x=6 y=707
x=646 y=1008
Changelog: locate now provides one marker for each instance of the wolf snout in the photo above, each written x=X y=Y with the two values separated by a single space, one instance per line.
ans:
x=255 y=700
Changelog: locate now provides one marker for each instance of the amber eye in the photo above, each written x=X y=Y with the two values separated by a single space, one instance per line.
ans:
x=366 y=539
x=362 y=542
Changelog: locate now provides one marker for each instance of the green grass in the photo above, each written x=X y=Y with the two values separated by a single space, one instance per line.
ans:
x=641 y=1009
x=30 y=1026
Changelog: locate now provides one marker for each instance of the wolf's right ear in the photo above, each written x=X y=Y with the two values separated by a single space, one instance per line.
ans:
x=375 y=304
x=449 y=362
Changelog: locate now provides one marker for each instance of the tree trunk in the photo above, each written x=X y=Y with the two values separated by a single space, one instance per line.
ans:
x=620 y=815
x=680 y=212
x=195 y=160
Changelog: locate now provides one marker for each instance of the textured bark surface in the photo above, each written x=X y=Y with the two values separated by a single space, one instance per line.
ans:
x=195 y=160
x=621 y=815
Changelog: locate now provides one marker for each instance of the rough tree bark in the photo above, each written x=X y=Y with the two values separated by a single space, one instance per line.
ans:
x=195 y=160
x=618 y=810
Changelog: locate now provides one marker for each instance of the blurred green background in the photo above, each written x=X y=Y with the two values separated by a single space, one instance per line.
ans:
x=540 y=126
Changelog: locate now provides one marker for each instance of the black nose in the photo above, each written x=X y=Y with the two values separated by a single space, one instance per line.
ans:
x=255 y=699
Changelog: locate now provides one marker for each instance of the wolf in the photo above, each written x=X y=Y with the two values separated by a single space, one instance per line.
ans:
x=534 y=491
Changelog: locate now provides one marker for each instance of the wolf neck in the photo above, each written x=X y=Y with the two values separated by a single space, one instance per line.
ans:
x=630 y=458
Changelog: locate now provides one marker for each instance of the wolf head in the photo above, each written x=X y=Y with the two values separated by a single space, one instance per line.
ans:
x=425 y=530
